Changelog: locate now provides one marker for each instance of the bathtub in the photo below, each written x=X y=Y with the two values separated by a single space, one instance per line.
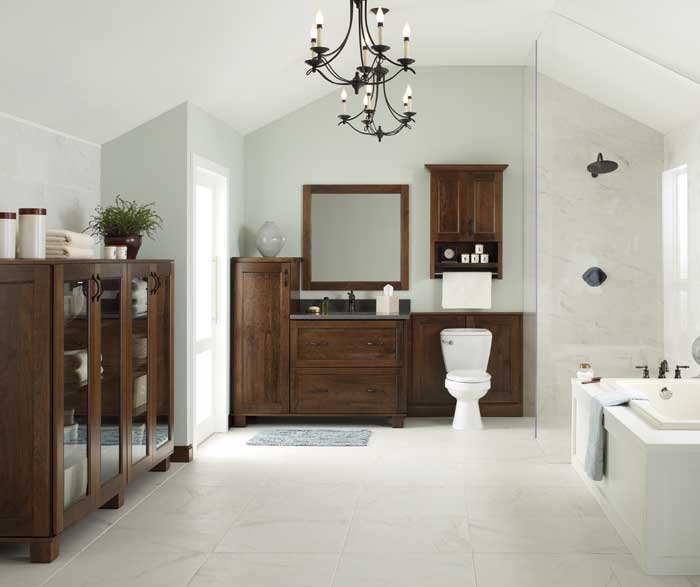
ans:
x=674 y=404
x=651 y=483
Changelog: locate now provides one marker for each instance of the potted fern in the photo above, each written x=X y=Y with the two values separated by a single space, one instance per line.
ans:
x=125 y=223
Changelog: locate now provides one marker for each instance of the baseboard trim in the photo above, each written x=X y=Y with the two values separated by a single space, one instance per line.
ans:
x=182 y=454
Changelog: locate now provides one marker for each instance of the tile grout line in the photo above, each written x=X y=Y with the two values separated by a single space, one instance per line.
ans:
x=347 y=532
x=111 y=525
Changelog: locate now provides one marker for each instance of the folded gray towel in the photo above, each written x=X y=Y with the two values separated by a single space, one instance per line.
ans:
x=595 y=452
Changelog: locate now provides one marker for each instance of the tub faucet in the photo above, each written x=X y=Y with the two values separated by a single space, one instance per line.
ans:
x=663 y=369
x=646 y=370
x=677 y=373
x=351 y=301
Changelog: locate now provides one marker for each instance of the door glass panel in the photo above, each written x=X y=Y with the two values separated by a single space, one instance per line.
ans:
x=76 y=303
x=110 y=377
x=139 y=368
x=163 y=431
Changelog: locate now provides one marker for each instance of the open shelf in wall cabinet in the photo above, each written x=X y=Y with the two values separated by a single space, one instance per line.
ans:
x=440 y=264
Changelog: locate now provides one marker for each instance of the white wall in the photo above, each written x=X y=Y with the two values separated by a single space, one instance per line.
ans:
x=43 y=168
x=465 y=115
x=611 y=222
x=682 y=299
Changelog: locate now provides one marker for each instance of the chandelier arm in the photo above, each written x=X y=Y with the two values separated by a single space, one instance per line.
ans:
x=357 y=130
x=397 y=116
x=371 y=44
x=339 y=77
x=338 y=50
x=331 y=81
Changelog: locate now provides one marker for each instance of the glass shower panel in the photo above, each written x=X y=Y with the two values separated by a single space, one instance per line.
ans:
x=76 y=336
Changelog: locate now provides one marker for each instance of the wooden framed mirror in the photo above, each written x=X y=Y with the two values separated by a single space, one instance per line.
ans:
x=355 y=237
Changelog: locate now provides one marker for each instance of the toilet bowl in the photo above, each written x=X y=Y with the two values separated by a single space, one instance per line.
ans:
x=466 y=352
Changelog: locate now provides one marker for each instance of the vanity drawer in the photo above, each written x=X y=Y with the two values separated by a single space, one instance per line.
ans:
x=371 y=343
x=345 y=391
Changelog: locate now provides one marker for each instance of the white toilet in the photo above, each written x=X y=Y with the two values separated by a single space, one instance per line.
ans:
x=466 y=354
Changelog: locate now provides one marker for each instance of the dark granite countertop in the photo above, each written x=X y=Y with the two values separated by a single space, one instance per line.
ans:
x=350 y=316
x=366 y=310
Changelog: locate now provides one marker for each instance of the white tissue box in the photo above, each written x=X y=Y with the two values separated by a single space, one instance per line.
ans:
x=388 y=305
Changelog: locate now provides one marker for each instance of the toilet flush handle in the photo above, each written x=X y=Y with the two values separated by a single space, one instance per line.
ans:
x=448 y=341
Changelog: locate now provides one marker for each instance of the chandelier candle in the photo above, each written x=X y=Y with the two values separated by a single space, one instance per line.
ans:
x=371 y=76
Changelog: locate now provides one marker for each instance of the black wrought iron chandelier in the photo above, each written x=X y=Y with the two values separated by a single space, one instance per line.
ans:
x=370 y=77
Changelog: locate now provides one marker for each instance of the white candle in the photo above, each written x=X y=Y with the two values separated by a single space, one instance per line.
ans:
x=369 y=95
x=409 y=98
x=406 y=39
x=364 y=55
x=380 y=26
x=344 y=100
x=319 y=26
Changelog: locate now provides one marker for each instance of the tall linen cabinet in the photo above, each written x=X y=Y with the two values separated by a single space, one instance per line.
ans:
x=86 y=390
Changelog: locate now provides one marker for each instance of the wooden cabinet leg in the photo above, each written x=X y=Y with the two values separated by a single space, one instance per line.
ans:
x=397 y=421
x=115 y=503
x=240 y=421
x=163 y=466
x=44 y=551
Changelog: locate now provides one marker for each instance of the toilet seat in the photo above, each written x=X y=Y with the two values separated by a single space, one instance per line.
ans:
x=468 y=376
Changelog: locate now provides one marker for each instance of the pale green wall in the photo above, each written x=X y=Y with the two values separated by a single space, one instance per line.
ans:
x=465 y=115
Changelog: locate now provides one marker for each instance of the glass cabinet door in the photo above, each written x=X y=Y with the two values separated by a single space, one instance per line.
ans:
x=109 y=299
x=140 y=286
x=164 y=360
x=78 y=288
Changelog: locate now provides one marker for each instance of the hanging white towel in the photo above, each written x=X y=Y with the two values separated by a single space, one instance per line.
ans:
x=462 y=290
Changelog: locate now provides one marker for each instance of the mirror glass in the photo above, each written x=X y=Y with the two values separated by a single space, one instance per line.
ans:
x=356 y=237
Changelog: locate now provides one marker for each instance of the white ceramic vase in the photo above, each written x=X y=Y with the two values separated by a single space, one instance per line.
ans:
x=270 y=239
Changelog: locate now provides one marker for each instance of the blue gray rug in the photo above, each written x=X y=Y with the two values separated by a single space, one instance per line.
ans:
x=311 y=437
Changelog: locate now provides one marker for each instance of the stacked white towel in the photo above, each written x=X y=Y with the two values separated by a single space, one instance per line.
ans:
x=139 y=296
x=65 y=244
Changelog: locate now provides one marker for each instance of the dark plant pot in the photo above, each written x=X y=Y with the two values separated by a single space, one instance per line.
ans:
x=132 y=243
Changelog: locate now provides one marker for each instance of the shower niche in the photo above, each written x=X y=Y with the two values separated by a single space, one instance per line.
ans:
x=466 y=216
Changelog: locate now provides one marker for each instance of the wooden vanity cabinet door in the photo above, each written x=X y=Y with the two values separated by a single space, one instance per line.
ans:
x=428 y=394
x=25 y=401
x=261 y=337
x=505 y=398
x=484 y=208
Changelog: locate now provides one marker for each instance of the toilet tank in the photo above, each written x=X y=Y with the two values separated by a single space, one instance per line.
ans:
x=466 y=348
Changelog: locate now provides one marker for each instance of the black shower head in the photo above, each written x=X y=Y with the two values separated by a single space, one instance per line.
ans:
x=601 y=165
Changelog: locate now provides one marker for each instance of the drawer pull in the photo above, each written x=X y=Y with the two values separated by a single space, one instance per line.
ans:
x=317 y=390
x=374 y=390
x=375 y=344
x=318 y=343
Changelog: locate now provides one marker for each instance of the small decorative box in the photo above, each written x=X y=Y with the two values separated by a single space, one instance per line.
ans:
x=475 y=258
x=485 y=258
x=478 y=249
x=466 y=257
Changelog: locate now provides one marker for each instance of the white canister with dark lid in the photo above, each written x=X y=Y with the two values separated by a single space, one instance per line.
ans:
x=8 y=235
x=32 y=233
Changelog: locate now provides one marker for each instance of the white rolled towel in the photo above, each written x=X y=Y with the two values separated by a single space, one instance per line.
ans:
x=68 y=237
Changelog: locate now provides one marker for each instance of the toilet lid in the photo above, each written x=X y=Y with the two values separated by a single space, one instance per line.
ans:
x=468 y=376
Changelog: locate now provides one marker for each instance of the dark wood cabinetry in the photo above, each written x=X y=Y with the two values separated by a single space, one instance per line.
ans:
x=428 y=396
x=68 y=368
x=466 y=208
x=264 y=292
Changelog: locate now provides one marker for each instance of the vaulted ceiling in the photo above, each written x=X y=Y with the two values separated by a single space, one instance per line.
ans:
x=97 y=68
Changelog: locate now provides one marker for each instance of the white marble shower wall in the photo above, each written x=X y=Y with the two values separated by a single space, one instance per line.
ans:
x=682 y=293
x=610 y=222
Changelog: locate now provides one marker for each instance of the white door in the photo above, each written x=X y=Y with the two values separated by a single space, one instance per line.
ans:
x=210 y=198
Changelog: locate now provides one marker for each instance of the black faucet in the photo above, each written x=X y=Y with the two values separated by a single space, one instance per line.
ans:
x=663 y=369
x=677 y=374
x=646 y=370
x=351 y=301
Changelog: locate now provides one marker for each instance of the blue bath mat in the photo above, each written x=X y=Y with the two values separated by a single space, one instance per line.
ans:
x=311 y=437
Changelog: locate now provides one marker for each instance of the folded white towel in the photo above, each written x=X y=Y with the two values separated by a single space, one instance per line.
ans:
x=76 y=239
x=68 y=252
x=138 y=285
x=139 y=308
x=139 y=297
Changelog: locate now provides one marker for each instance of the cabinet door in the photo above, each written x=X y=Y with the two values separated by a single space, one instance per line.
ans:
x=140 y=366
x=25 y=401
x=447 y=206
x=163 y=393
x=75 y=367
x=428 y=378
x=261 y=338
x=484 y=205
x=113 y=301
x=505 y=363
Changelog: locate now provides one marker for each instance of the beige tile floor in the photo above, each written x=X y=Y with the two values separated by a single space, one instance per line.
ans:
x=420 y=507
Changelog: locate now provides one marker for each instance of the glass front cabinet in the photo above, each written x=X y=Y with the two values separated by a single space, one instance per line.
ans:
x=87 y=367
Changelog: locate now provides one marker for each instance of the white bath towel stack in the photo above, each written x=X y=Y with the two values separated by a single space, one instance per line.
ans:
x=139 y=296
x=65 y=244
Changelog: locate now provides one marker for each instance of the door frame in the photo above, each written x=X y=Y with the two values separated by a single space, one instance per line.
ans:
x=220 y=406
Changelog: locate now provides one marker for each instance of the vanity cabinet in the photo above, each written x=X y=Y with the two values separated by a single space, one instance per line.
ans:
x=349 y=368
x=264 y=293
x=68 y=392
x=428 y=396
x=466 y=208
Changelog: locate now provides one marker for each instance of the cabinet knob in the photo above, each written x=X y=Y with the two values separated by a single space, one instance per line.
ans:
x=375 y=343
x=318 y=343
x=373 y=390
